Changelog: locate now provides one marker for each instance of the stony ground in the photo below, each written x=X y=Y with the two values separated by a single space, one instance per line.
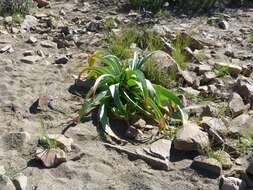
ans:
x=49 y=71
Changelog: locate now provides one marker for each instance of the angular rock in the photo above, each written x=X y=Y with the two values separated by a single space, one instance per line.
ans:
x=32 y=40
x=210 y=165
x=214 y=123
x=190 y=91
x=225 y=160
x=232 y=183
x=64 y=142
x=236 y=105
x=244 y=87
x=160 y=149
x=31 y=59
x=201 y=69
x=61 y=60
x=233 y=69
x=41 y=3
x=140 y=124
x=188 y=77
x=241 y=126
x=51 y=157
x=191 y=138
x=48 y=44
x=6 y=48
x=223 y=25
x=20 y=182
x=94 y=26
x=29 y=22
x=208 y=77
x=6 y=183
x=8 y=20
x=28 y=53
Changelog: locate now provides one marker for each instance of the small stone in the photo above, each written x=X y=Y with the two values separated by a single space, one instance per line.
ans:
x=6 y=48
x=64 y=142
x=51 y=157
x=6 y=183
x=61 y=60
x=210 y=165
x=31 y=59
x=132 y=132
x=20 y=182
x=191 y=138
x=140 y=124
x=236 y=105
x=32 y=40
x=2 y=170
x=42 y=3
x=244 y=87
x=190 y=91
x=201 y=69
x=223 y=25
x=208 y=77
x=28 y=53
x=48 y=44
x=8 y=20
x=94 y=26
x=29 y=22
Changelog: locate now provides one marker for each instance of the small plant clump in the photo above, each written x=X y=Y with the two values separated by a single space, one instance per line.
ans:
x=221 y=71
x=15 y=7
x=250 y=37
x=48 y=143
x=121 y=90
x=149 y=5
x=245 y=145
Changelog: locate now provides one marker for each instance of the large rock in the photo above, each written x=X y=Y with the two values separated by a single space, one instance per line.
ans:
x=236 y=105
x=241 y=126
x=6 y=183
x=232 y=183
x=209 y=165
x=20 y=182
x=29 y=22
x=191 y=138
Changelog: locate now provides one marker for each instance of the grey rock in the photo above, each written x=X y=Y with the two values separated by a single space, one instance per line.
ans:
x=244 y=87
x=232 y=183
x=6 y=48
x=140 y=124
x=32 y=40
x=208 y=77
x=160 y=149
x=51 y=157
x=61 y=60
x=28 y=53
x=8 y=20
x=17 y=140
x=29 y=22
x=233 y=69
x=210 y=165
x=214 y=123
x=223 y=24
x=241 y=126
x=94 y=26
x=201 y=69
x=236 y=105
x=6 y=183
x=2 y=170
x=20 y=182
x=190 y=91
x=188 y=77
x=48 y=44
x=31 y=59
x=191 y=138
x=132 y=132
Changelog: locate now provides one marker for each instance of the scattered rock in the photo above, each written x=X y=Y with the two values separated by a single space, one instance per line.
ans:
x=94 y=26
x=64 y=142
x=48 y=44
x=210 y=165
x=32 y=40
x=6 y=183
x=232 y=183
x=20 y=182
x=2 y=170
x=51 y=157
x=132 y=132
x=7 y=48
x=223 y=25
x=8 y=20
x=191 y=138
x=241 y=126
x=28 y=53
x=140 y=124
x=31 y=59
x=215 y=123
x=160 y=149
x=236 y=105
x=233 y=69
x=61 y=60
x=244 y=87
x=30 y=22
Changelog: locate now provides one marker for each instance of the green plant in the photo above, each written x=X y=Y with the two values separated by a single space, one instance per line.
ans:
x=18 y=18
x=48 y=143
x=250 y=37
x=178 y=51
x=221 y=71
x=10 y=7
x=245 y=145
x=110 y=23
x=121 y=90
x=164 y=13
x=210 y=153
x=150 y=5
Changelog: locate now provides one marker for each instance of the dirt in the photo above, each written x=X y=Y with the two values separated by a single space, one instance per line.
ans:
x=97 y=167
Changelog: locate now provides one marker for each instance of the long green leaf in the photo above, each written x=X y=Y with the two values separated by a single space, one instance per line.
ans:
x=115 y=93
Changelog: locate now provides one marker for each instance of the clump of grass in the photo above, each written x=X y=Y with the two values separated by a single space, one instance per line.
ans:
x=164 y=13
x=221 y=71
x=210 y=153
x=119 y=44
x=250 y=37
x=110 y=23
x=48 y=143
x=11 y=7
x=245 y=145
x=150 y=5
x=178 y=52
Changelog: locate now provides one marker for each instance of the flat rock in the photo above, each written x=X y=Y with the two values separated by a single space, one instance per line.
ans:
x=61 y=60
x=6 y=183
x=241 y=126
x=31 y=59
x=214 y=123
x=191 y=138
x=48 y=44
x=51 y=157
x=32 y=40
x=160 y=149
x=6 y=48
x=210 y=165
